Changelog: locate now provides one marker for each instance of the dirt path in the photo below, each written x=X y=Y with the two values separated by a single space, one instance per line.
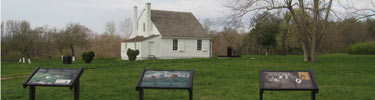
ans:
x=14 y=76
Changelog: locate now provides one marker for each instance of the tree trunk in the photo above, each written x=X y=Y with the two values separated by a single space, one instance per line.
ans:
x=284 y=35
x=23 y=55
x=315 y=32
x=283 y=39
x=306 y=51
x=73 y=56
x=61 y=52
x=72 y=48
x=302 y=28
x=28 y=57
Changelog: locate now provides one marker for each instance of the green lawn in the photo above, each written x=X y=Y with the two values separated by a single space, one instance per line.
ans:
x=339 y=76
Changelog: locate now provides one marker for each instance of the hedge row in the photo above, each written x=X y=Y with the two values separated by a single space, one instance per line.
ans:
x=362 y=48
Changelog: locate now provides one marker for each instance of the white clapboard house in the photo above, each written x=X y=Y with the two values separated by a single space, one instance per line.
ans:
x=166 y=35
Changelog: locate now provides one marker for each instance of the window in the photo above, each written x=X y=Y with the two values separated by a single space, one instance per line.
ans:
x=175 y=44
x=199 y=44
x=144 y=27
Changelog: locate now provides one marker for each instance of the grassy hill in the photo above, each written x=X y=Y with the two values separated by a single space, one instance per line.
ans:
x=339 y=76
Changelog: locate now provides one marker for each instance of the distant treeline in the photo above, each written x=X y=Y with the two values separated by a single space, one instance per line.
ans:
x=277 y=35
x=20 y=40
x=270 y=34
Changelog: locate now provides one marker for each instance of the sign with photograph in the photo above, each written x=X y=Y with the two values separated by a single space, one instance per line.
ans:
x=53 y=76
x=287 y=80
x=56 y=77
x=165 y=79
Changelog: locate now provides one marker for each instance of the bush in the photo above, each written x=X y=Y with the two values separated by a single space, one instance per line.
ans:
x=88 y=56
x=362 y=48
x=132 y=54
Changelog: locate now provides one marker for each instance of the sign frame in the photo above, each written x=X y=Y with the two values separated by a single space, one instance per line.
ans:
x=74 y=84
x=189 y=86
x=262 y=88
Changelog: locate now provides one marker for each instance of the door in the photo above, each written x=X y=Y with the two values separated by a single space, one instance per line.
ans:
x=151 y=48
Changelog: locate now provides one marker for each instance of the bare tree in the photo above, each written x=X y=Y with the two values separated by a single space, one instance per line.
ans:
x=50 y=40
x=75 y=35
x=229 y=37
x=126 y=27
x=40 y=36
x=110 y=28
x=2 y=29
x=358 y=11
x=208 y=24
x=22 y=38
x=286 y=29
x=311 y=18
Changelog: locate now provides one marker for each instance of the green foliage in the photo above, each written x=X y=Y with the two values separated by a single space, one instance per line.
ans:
x=88 y=56
x=371 y=27
x=362 y=48
x=266 y=29
x=132 y=54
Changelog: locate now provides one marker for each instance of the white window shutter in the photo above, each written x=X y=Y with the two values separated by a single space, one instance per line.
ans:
x=181 y=47
x=204 y=47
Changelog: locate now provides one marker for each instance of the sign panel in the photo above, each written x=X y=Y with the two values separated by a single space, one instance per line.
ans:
x=58 y=77
x=287 y=80
x=165 y=79
x=53 y=77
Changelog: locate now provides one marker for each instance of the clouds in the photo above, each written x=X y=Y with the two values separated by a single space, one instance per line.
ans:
x=95 y=13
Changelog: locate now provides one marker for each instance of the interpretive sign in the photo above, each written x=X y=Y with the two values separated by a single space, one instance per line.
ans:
x=57 y=77
x=165 y=79
x=287 y=80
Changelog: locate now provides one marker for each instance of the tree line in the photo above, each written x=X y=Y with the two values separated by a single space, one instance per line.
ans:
x=304 y=27
x=294 y=27
x=277 y=35
x=20 y=42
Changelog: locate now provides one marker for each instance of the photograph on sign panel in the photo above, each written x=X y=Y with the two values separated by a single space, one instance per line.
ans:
x=53 y=76
x=287 y=80
x=166 y=78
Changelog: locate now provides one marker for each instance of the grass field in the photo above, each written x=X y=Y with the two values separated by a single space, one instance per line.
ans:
x=339 y=76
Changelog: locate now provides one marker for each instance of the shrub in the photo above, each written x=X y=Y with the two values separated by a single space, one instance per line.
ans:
x=88 y=56
x=362 y=48
x=132 y=54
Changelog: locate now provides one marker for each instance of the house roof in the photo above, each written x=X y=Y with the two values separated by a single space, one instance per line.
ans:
x=177 y=24
x=140 y=38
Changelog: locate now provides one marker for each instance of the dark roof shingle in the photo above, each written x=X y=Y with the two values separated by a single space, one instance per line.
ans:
x=177 y=24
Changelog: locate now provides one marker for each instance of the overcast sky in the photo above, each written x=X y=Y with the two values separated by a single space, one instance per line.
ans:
x=95 y=13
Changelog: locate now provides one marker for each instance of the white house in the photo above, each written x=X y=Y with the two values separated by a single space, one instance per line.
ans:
x=167 y=35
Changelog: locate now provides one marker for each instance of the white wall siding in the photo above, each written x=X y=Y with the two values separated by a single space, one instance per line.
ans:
x=130 y=45
x=145 y=47
x=163 y=49
x=123 y=51
x=142 y=20
x=189 y=46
